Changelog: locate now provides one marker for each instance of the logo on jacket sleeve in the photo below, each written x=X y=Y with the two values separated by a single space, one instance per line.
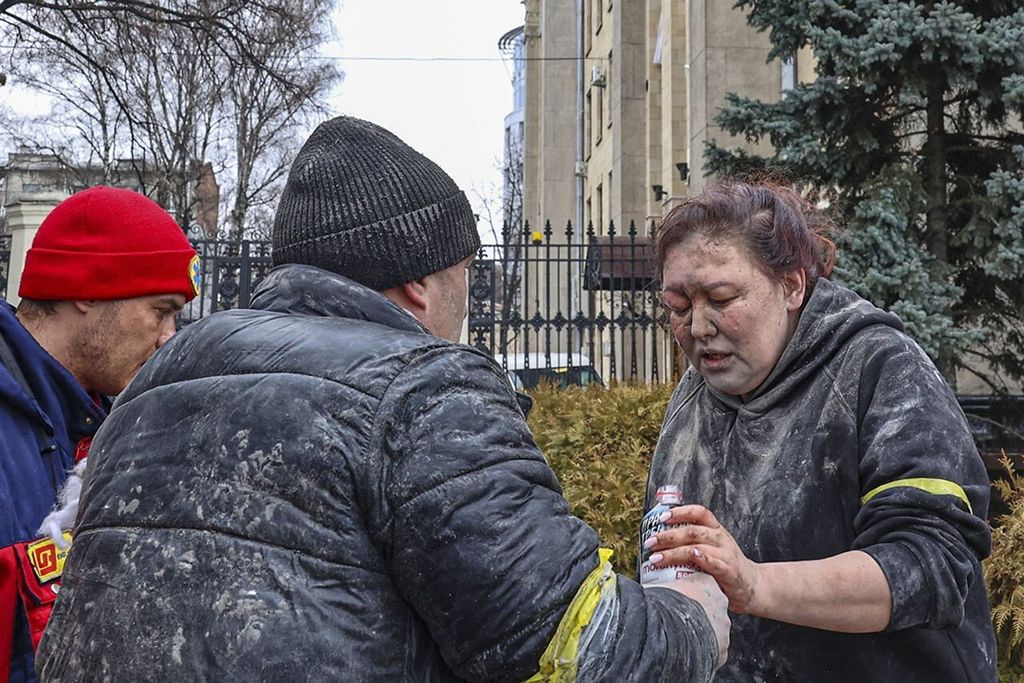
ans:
x=194 y=274
x=47 y=559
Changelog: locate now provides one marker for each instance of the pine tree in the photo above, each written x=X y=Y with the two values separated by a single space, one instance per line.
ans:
x=912 y=129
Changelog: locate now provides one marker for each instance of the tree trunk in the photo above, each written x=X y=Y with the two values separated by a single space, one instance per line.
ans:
x=936 y=236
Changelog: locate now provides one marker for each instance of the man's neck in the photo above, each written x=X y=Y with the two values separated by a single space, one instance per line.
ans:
x=51 y=333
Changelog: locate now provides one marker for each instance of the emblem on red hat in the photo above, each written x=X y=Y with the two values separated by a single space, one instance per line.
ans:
x=195 y=276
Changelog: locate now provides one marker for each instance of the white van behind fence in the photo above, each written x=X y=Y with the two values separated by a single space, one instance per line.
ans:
x=527 y=370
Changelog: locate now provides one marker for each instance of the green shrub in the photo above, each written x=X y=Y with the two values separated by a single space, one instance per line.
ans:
x=600 y=441
x=1004 y=574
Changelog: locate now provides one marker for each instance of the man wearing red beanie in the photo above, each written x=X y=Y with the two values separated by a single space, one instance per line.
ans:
x=106 y=274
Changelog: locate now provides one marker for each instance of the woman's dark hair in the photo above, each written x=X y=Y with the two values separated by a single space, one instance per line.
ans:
x=782 y=230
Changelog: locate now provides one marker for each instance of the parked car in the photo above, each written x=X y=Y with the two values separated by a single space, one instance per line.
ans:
x=526 y=371
x=997 y=424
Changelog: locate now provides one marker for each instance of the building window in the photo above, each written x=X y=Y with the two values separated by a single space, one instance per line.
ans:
x=598 y=118
x=519 y=79
x=588 y=25
x=789 y=73
x=587 y=127
x=608 y=87
x=589 y=218
x=598 y=15
x=599 y=208
x=610 y=192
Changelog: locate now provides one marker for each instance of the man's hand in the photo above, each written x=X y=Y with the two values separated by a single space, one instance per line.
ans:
x=704 y=589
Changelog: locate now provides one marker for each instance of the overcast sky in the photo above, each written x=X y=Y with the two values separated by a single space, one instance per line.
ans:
x=452 y=110
x=428 y=70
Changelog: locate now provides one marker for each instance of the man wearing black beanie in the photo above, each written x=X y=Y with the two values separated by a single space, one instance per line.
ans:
x=329 y=487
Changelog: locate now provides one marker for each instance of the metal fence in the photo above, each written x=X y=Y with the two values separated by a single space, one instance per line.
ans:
x=540 y=301
x=5 y=262
x=229 y=271
x=552 y=301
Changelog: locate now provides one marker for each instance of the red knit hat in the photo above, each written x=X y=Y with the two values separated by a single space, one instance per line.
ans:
x=109 y=243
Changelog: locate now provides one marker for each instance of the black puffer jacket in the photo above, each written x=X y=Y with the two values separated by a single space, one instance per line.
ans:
x=318 y=490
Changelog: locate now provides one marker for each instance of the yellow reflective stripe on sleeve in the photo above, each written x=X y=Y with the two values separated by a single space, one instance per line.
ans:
x=560 y=659
x=938 y=487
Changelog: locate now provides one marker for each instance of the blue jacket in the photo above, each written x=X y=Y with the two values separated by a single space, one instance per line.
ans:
x=39 y=432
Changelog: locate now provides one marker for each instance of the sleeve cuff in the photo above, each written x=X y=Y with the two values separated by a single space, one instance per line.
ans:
x=909 y=585
x=696 y=635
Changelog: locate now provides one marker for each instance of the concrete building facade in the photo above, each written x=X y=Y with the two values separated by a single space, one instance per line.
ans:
x=550 y=112
x=639 y=98
x=32 y=182
x=620 y=101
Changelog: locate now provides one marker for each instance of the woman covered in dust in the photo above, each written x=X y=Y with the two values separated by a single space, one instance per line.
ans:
x=837 y=496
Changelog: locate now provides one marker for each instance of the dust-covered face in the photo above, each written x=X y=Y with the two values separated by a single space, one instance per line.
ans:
x=732 y=321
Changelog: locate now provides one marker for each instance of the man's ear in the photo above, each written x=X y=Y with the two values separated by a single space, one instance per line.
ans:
x=794 y=283
x=416 y=293
x=84 y=306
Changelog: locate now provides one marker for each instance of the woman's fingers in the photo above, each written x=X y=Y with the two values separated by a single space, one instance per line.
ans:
x=684 y=535
x=692 y=514
x=702 y=542
x=707 y=558
x=696 y=555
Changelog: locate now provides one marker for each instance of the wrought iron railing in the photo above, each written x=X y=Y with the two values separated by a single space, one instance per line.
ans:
x=538 y=301
x=547 y=301
x=228 y=271
x=5 y=263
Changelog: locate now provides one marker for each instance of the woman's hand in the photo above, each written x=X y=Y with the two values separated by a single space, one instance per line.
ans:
x=846 y=592
x=707 y=545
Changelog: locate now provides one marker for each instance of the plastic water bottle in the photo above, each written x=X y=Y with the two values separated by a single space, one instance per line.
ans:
x=666 y=498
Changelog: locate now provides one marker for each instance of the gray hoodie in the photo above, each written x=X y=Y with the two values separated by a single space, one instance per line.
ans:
x=794 y=473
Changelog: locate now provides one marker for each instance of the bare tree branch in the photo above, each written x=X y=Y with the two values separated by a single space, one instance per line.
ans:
x=165 y=87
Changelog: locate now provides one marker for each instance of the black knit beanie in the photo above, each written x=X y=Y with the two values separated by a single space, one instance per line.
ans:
x=361 y=203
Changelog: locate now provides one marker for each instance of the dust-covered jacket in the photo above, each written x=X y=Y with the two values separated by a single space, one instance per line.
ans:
x=318 y=489
x=853 y=442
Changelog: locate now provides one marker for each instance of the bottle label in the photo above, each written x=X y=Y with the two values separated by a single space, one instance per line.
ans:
x=649 y=574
